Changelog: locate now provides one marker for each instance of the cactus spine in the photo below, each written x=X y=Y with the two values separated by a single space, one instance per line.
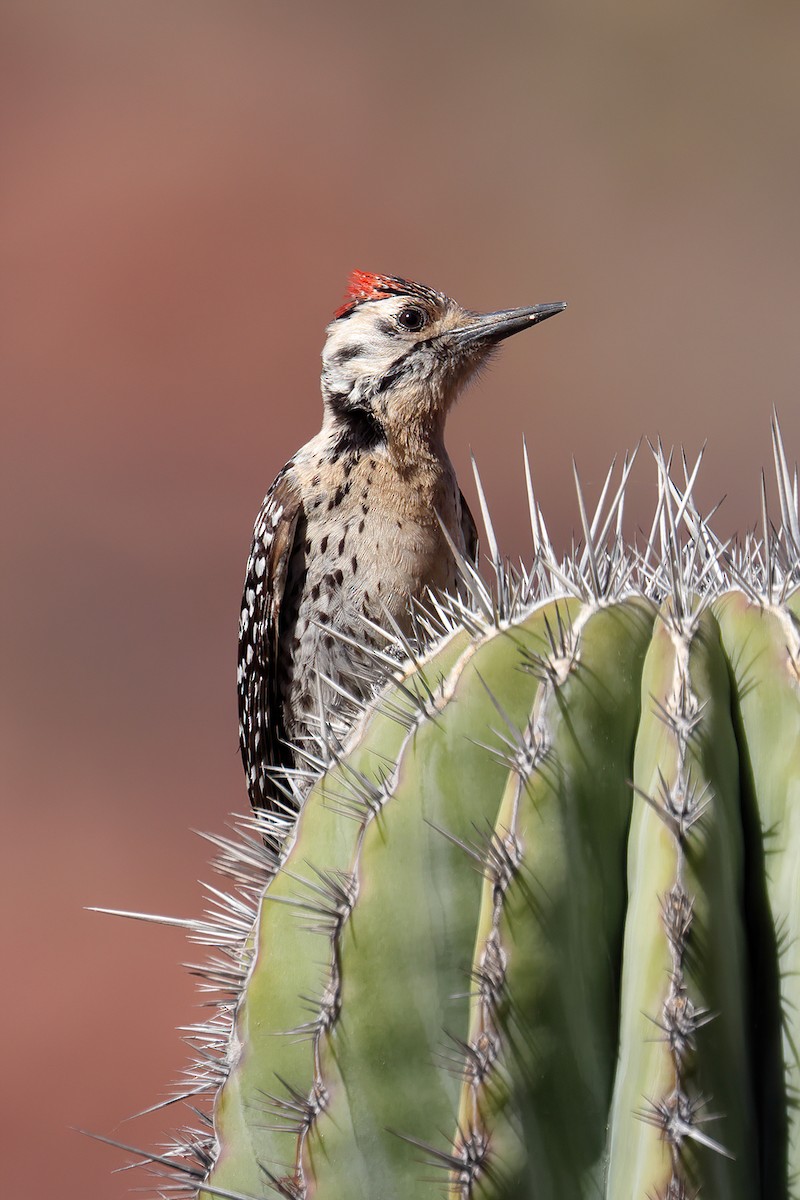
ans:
x=534 y=932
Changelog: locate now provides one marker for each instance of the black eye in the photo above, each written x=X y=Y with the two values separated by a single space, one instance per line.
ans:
x=413 y=319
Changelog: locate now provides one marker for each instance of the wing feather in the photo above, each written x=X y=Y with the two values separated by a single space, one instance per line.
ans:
x=262 y=734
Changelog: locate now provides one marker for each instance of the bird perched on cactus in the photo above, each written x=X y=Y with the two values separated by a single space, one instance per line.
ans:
x=351 y=532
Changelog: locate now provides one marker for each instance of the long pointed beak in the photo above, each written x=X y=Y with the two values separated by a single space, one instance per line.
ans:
x=494 y=327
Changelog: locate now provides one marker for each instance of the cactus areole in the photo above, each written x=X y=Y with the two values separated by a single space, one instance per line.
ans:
x=533 y=934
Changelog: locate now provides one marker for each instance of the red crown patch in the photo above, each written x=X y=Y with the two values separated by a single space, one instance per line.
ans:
x=362 y=285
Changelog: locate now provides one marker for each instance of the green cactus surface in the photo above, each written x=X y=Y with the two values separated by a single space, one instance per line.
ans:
x=534 y=931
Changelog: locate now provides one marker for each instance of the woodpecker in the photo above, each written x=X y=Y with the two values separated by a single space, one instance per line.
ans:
x=351 y=528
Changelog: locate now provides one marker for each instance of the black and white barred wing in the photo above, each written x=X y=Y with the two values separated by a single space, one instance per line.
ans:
x=261 y=721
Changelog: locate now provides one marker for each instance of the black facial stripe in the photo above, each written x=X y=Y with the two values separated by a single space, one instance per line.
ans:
x=347 y=353
x=402 y=366
x=386 y=327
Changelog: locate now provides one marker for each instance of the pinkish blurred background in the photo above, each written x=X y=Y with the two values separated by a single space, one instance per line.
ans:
x=184 y=187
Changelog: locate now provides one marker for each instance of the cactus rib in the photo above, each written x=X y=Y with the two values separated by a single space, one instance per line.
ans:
x=538 y=1065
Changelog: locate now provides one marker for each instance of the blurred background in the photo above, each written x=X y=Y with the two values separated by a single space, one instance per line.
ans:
x=184 y=187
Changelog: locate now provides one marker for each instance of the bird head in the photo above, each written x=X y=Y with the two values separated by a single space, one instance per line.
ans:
x=398 y=353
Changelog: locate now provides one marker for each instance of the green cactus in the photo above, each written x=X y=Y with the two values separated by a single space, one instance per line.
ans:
x=534 y=932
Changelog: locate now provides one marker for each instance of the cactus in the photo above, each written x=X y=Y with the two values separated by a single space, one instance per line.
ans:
x=534 y=929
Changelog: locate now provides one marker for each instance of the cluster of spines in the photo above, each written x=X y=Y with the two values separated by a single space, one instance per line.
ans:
x=680 y=804
x=597 y=575
x=692 y=576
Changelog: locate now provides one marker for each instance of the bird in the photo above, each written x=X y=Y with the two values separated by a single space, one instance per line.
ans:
x=352 y=531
